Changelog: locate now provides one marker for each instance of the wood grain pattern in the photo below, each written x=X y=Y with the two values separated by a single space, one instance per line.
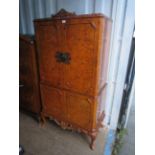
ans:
x=29 y=95
x=79 y=110
x=74 y=89
x=53 y=102
x=81 y=47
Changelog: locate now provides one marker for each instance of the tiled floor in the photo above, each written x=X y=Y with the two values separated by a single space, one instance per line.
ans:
x=129 y=140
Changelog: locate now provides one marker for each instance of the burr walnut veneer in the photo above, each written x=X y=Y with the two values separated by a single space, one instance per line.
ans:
x=73 y=54
x=29 y=95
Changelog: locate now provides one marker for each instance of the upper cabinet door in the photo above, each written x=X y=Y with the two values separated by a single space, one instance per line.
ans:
x=80 y=44
x=48 y=43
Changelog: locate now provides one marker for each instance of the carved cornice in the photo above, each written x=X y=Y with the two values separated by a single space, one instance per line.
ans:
x=63 y=13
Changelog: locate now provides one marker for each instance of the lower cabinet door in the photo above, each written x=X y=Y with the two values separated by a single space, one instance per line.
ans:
x=53 y=102
x=79 y=110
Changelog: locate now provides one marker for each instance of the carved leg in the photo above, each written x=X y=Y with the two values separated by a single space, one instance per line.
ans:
x=93 y=138
x=42 y=120
x=63 y=125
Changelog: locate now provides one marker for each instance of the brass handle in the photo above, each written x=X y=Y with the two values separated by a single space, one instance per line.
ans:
x=63 y=57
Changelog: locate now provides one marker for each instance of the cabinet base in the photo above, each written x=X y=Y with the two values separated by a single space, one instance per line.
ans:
x=64 y=125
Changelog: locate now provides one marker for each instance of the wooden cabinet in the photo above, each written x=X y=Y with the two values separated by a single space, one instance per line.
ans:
x=29 y=95
x=73 y=56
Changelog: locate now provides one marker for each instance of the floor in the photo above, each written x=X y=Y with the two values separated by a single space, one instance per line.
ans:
x=52 y=140
x=129 y=140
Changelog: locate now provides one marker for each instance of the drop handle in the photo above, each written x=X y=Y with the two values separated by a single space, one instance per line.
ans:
x=63 y=57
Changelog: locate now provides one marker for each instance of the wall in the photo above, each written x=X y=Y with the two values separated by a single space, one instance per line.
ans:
x=31 y=9
x=123 y=27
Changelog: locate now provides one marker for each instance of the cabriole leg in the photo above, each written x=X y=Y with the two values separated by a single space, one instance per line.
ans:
x=93 y=138
x=42 y=120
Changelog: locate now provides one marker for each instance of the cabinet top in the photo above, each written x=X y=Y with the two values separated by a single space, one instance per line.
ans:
x=27 y=38
x=63 y=14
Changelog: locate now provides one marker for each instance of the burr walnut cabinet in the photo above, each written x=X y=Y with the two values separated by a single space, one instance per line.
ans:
x=29 y=94
x=73 y=55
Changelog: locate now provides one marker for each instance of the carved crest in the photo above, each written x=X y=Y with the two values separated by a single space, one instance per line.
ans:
x=63 y=13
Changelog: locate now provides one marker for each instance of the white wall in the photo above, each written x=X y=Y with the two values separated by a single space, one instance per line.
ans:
x=119 y=61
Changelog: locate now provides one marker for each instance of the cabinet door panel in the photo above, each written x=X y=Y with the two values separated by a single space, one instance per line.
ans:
x=79 y=110
x=48 y=45
x=80 y=41
x=53 y=101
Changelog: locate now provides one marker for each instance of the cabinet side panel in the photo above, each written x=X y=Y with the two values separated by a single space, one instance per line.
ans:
x=37 y=99
x=104 y=67
x=104 y=55
x=99 y=58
